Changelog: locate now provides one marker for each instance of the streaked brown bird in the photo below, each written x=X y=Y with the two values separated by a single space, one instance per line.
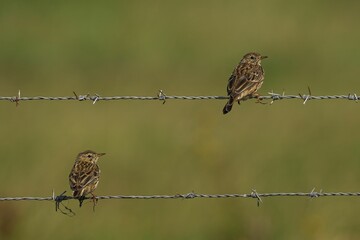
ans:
x=245 y=80
x=84 y=176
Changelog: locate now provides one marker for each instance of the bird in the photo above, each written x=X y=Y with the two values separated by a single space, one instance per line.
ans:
x=84 y=176
x=245 y=80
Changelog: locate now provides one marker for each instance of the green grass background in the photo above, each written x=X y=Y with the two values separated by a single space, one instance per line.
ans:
x=52 y=48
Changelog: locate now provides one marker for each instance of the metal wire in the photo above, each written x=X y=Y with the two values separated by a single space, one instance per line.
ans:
x=163 y=97
x=192 y=195
x=258 y=196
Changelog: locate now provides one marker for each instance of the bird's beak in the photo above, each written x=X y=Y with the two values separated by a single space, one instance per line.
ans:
x=101 y=154
x=262 y=57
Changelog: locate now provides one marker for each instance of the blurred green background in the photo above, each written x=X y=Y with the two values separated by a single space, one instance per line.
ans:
x=52 y=48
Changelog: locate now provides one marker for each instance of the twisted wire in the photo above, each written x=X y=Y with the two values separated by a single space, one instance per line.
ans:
x=59 y=206
x=192 y=195
x=163 y=97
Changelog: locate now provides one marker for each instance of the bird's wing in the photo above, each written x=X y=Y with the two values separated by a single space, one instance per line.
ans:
x=238 y=84
x=231 y=82
x=83 y=175
x=244 y=84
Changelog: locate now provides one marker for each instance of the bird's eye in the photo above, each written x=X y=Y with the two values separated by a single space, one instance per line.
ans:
x=89 y=156
x=252 y=57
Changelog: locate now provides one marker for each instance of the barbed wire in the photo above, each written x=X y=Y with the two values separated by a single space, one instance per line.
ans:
x=191 y=195
x=58 y=199
x=163 y=97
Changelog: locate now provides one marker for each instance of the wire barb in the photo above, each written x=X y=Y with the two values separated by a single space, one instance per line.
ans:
x=16 y=99
x=314 y=194
x=275 y=96
x=353 y=97
x=306 y=97
x=190 y=195
x=76 y=96
x=254 y=194
x=58 y=200
x=96 y=98
x=162 y=96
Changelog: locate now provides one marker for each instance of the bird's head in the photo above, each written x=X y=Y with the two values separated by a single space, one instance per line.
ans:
x=253 y=58
x=89 y=156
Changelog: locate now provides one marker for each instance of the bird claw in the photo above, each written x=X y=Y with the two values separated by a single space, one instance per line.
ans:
x=81 y=199
x=95 y=201
x=258 y=100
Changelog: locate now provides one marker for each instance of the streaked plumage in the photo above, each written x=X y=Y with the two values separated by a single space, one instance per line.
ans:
x=245 y=80
x=84 y=176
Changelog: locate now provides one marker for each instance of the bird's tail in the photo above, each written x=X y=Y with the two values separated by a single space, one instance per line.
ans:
x=228 y=106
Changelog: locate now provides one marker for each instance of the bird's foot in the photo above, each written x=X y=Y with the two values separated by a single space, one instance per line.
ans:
x=81 y=200
x=95 y=200
x=258 y=100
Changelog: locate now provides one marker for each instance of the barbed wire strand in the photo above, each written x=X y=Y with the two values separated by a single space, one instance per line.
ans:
x=192 y=195
x=163 y=97
x=58 y=199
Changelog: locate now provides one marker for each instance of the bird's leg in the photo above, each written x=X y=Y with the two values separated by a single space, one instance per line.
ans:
x=95 y=200
x=81 y=199
x=256 y=95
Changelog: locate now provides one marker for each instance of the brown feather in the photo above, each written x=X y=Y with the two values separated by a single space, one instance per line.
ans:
x=85 y=174
x=245 y=81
